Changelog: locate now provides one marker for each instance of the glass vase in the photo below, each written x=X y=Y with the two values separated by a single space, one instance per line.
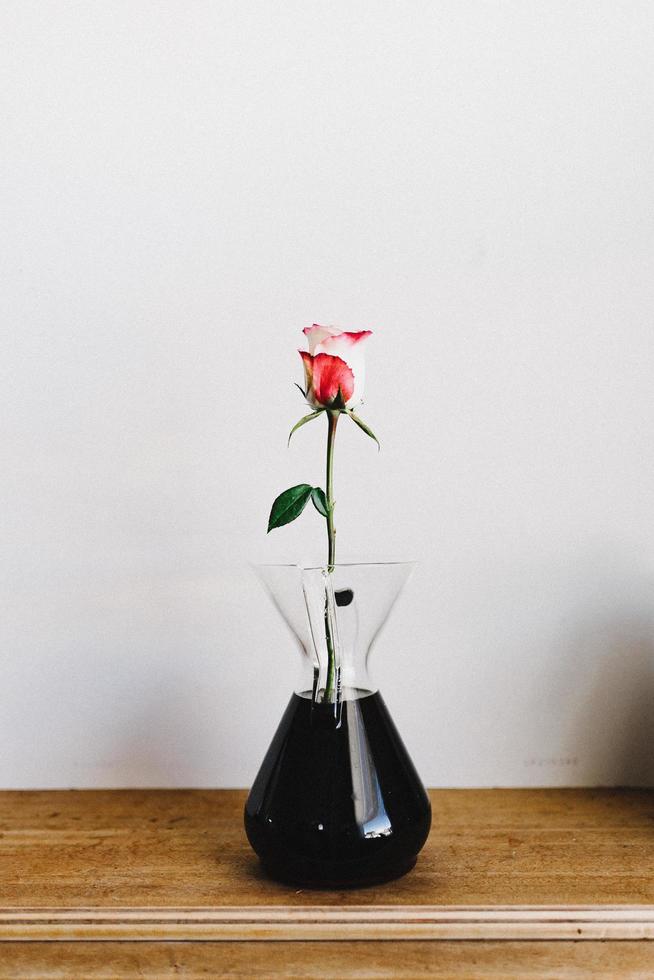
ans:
x=337 y=801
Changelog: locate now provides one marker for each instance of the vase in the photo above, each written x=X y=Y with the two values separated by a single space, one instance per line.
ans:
x=337 y=801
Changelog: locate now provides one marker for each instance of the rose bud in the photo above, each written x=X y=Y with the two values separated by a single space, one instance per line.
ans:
x=334 y=367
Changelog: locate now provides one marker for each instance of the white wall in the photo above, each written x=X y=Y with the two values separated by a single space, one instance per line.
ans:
x=184 y=186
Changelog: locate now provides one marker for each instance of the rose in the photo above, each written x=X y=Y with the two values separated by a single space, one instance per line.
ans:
x=334 y=367
x=334 y=372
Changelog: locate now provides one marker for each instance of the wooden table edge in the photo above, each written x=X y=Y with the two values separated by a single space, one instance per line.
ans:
x=328 y=923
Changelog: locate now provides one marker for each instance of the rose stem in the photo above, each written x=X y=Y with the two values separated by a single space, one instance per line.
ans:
x=332 y=420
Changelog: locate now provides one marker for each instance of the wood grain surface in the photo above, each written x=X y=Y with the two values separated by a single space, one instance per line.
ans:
x=187 y=848
x=336 y=961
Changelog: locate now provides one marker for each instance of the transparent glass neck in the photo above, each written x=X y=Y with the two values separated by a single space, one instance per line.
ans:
x=335 y=615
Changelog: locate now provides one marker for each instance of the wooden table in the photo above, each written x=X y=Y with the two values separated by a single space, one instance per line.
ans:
x=110 y=883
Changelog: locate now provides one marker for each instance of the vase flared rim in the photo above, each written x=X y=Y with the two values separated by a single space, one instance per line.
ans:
x=337 y=564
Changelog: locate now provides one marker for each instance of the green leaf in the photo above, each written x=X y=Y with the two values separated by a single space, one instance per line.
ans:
x=362 y=425
x=307 y=418
x=289 y=505
x=319 y=501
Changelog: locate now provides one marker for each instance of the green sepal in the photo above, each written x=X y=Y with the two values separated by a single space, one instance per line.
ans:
x=319 y=501
x=300 y=389
x=303 y=421
x=289 y=505
x=362 y=425
x=339 y=402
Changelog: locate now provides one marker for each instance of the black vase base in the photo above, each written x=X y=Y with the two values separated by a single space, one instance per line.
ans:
x=287 y=875
x=337 y=805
